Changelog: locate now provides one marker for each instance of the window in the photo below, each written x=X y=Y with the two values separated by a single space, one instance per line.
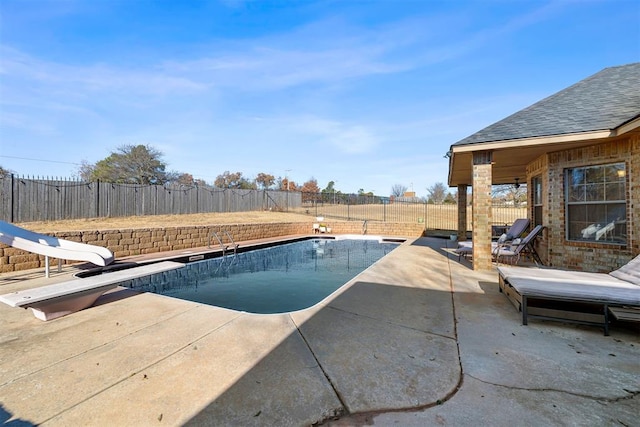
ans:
x=596 y=204
x=536 y=194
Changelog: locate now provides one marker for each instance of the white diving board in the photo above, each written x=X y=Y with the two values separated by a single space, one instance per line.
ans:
x=54 y=247
x=57 y=300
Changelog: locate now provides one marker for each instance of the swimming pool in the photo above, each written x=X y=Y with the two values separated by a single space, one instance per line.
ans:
x=276 y=279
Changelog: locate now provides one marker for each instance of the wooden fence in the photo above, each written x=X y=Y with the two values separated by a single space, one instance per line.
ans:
x=29 y=199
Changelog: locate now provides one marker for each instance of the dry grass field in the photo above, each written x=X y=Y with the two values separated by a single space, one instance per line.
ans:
x=436 y=217
x=159 y=221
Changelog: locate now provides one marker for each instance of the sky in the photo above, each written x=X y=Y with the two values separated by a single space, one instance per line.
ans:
x=368 y=94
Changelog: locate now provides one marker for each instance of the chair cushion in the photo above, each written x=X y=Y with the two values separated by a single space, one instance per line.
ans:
x=576 y=285
x=630 y=272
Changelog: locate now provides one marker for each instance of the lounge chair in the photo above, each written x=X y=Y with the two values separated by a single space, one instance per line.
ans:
x=516 y=230
x=513 y=251
x=573 y=296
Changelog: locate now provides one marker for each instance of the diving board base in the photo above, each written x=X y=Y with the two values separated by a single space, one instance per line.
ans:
x=53 y=310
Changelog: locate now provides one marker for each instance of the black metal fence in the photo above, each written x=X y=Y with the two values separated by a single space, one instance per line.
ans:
x=353 y=207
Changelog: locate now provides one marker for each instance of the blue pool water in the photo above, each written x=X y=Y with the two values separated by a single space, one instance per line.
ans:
x=276 y=279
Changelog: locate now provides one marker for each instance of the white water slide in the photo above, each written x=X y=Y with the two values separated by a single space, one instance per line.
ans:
x=54 y=247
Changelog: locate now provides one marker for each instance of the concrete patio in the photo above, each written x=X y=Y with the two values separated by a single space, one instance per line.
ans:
x=417 y=339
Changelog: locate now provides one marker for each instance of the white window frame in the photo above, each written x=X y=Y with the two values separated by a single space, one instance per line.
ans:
x=600 y=192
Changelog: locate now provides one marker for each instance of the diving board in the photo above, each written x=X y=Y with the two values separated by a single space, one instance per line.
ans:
x=57 y=300
x=54 y=247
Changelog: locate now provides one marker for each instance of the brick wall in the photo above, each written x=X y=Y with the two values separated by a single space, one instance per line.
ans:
x=588 y=256
x=127 y=242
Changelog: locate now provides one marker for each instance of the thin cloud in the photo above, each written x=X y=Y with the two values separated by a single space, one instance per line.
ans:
x=22 y=68
x=275 y=68
x=334 y=135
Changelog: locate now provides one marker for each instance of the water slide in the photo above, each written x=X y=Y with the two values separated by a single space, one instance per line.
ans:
x=54 y=247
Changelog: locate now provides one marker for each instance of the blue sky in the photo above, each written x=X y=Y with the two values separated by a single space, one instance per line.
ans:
x=368 y=94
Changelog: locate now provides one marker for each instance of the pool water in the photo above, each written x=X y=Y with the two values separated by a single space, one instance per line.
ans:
x=276 y=279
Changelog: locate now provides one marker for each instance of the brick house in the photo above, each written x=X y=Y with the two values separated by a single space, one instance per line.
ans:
x=579 y=153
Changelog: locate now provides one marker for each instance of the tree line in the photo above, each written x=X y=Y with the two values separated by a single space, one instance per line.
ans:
x=144 y=164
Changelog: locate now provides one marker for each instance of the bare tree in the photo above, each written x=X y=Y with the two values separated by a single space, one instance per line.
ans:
x=510 y=193
x=437 y=193
x=4 y=172
x=85 y=170
x=398 y=190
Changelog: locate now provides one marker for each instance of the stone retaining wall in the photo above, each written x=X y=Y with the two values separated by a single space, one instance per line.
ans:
x=128 y=242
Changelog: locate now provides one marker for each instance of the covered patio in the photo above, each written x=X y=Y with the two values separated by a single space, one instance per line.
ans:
x=594 y=122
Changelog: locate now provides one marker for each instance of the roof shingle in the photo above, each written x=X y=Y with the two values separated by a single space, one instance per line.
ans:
x=604 y=101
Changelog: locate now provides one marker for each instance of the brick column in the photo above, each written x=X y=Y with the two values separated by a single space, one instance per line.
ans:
x=482 y=212
x=462 y=212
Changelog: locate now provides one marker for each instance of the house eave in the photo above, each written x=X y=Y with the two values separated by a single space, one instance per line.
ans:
x=534 y=141
x=628 y=127
x=511 y=157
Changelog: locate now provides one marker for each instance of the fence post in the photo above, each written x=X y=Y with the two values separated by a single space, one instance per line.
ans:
x=425 y=216
x=97 y=198
x=11 y=202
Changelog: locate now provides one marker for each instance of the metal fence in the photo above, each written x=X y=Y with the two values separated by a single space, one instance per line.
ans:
x=353 y=207
x=35 y=199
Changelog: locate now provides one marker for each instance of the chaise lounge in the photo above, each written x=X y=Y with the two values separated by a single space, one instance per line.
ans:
x=574 y=296
x=514 y=251
x=516 y=230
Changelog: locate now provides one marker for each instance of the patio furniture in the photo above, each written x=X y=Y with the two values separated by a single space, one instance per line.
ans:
x=574 y=296
x=320 y=227
x=518 y=247
x=516 y=229
x=316 y=226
